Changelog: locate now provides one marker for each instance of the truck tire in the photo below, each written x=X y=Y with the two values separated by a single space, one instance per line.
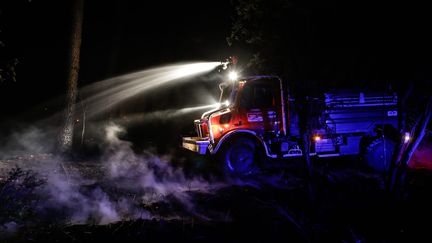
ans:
x=379 y=154
x=240 y=157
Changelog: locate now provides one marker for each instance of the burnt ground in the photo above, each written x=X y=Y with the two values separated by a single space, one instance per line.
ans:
x=344 y=202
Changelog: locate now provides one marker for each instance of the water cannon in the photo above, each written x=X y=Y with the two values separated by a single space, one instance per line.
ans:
x=229 y=65
x=229 y=62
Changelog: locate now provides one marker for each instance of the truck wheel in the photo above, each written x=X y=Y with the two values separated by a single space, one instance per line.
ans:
x=379 y=154
x=240 y=157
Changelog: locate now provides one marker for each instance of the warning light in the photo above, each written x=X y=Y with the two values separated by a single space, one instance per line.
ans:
x=407 y=137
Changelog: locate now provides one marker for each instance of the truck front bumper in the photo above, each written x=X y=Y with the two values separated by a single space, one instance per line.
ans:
x=196 y=144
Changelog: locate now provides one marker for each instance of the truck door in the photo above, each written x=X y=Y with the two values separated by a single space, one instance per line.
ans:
x=260 y=105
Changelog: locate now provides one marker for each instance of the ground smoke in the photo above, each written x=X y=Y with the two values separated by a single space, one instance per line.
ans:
x=32 y=139
x=130 y=184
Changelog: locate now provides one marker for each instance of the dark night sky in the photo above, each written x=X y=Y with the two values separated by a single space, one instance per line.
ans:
x=118 y=37
x=124 y=36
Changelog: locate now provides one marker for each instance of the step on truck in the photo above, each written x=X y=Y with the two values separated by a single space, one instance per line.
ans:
x=258 y=118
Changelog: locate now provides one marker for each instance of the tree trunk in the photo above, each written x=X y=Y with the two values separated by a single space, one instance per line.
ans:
x=397 y=179
x=66 y=135
x=305 y=123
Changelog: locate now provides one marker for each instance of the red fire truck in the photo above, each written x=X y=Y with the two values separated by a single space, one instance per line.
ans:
x=258 y=118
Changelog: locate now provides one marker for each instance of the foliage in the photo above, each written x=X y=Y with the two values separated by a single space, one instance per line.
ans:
x=7 y=70
x=7 y=64
x=18 y=195
x=268 y=29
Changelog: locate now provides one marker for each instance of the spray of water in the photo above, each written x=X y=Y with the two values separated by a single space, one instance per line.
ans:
x=97 y=98
x=110 y=92
x=166 y=114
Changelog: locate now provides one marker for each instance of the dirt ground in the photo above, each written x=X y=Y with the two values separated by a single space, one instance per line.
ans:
x=342 y=203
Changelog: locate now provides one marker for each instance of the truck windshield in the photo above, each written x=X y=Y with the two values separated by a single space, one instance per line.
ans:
x=227 y=93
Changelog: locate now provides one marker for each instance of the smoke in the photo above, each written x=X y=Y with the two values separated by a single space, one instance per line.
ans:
x=150 y=173
x=119 y=185
x=122 y=185
x=68 y=196
x=25 y=141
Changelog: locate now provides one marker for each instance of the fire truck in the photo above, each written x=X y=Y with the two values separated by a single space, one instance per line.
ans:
x=258 y=119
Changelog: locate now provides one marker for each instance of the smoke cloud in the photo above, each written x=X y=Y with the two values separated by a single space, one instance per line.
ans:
x=27 y=141
x=121 y=185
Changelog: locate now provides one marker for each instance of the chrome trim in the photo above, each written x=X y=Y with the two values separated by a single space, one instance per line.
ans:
x=197 y=124
x=210 y=130
x=292 y=155
x=195 y=144
x=209 y=112
x=327 y=155
x=284 y=125
x=297 y=155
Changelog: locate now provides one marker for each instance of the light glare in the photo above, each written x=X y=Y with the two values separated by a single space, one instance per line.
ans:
x=233 y=76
